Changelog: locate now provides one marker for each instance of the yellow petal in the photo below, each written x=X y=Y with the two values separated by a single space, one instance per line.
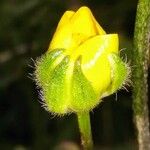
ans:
x=75 y=28
x=95 y=64
x=83 y=22
x=104 y=44
x=63 y=34
x=65 y=18
x=99 y=29
x=62 y=38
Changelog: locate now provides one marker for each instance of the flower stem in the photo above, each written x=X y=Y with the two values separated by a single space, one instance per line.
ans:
x=140 y=73
x=85 y=130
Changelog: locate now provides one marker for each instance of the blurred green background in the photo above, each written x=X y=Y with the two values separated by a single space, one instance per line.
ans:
x=26 y=28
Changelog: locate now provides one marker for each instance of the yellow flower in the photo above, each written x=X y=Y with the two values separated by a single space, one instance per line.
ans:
x=75 y=28
x=81 y=66
x=80 y=34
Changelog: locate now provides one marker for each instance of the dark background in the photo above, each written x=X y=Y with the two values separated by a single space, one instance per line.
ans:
x=26 y=28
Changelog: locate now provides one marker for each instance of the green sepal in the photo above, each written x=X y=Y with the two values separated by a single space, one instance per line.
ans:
x=61 y=94
x=55 y=91
x=44 y=66
x=84 y=97
x=119 y=74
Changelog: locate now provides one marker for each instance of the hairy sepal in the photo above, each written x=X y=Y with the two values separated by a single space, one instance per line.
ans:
x=63 y=93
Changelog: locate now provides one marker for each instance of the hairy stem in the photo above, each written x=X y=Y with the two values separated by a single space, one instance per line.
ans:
x=85 y=130
x=140 y=73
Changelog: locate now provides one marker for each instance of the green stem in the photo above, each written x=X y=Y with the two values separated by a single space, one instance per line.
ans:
x=85 y=130
x=140 y=73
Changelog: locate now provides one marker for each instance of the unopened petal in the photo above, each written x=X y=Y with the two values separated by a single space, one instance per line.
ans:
x=95 y=64
x=99 y=29
x=63 y=34
x=100 y=44
x=83 y=22
x=62 y=38
x=65 y=18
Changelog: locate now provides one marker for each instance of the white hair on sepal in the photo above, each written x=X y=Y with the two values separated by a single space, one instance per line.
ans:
x=124 y=57
x=121 y=50
x=30 y=76
x=44 y=105
x=33 y=65
x=127 y=82
x=60 y=115
x=129 y=67
x=127 y=62
x=116 y=96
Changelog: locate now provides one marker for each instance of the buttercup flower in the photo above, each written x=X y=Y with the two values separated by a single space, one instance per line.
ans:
x=81 y=66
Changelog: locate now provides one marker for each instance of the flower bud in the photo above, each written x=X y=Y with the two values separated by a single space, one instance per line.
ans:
x=82 y=65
